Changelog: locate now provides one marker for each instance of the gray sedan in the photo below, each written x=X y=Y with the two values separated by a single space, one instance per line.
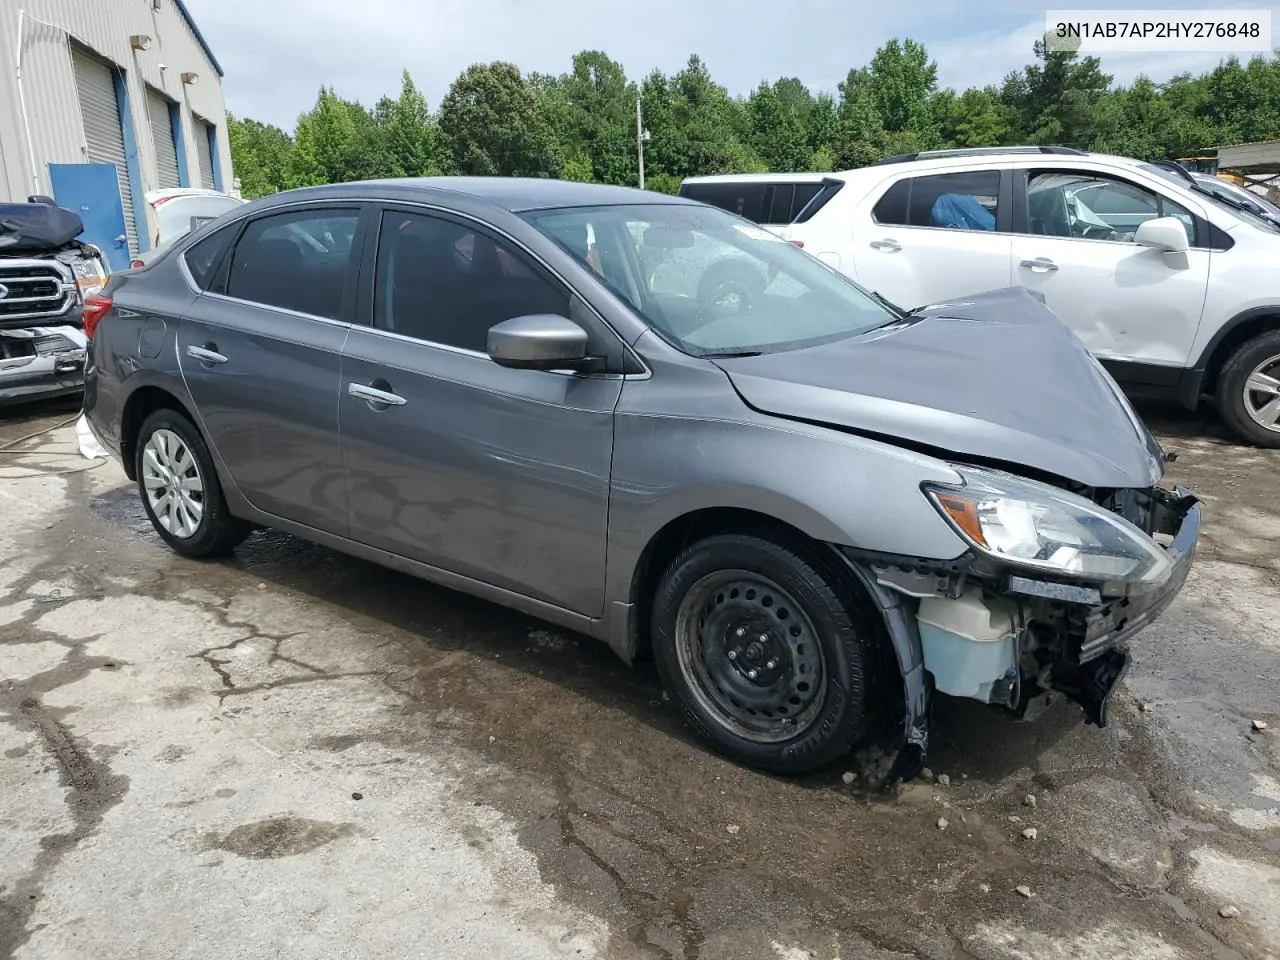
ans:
x=811 y=508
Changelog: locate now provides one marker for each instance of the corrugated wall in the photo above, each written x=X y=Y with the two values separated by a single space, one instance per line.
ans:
x=53 y=110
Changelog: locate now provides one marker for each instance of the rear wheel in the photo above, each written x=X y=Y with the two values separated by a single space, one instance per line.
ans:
x=1249 y=390
x=180 y=488
x=764 y=651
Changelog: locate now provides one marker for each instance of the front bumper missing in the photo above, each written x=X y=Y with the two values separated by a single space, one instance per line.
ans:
x=1076 y=648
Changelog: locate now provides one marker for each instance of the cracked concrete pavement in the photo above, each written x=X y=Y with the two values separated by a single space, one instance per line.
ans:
x=296 y=754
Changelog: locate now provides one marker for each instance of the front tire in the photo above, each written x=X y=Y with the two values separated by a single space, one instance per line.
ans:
x=1249 y=390
x=765 y=651
x=180 y=489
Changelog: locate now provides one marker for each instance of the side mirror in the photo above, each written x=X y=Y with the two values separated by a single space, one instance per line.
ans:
x=1166 y=234
x=538 y=342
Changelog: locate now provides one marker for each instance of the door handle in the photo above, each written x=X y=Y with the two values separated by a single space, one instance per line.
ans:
x=1040 y=263
x=378 y=399
x=892 y=246
x=208 y=355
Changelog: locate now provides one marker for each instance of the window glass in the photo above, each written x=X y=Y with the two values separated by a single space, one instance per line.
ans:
x=296 y=261
x=442 y=282
x=744 y=199
x=958 y=201
x=1084 y=206
x=204 y=256
x=780 y=209
x=892 y=207
x=804 y=193
x=709 y=283
x=955 y=201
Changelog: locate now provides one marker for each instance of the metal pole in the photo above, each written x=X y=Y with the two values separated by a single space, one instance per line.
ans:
x=640 y=141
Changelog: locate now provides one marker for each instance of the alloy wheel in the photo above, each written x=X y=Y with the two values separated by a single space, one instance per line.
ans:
x=174 y=487
x=1262 y=394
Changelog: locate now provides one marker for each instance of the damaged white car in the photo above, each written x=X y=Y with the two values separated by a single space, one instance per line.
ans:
x=45 y=275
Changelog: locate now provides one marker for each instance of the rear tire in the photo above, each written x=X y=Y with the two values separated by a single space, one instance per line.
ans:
x=1248 y=396
x=180 y=489
x=765 y=651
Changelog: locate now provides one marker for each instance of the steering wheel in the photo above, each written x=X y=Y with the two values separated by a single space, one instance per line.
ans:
x=728 y=290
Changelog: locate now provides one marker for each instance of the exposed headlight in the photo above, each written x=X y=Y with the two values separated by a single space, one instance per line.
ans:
x=91 y=276
x=1035 y=525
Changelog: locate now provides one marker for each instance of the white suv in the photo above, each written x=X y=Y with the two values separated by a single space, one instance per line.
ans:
x=1174 y=289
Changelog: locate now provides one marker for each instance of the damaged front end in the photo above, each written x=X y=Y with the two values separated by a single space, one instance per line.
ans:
x=1043 y=604
x=45 y=276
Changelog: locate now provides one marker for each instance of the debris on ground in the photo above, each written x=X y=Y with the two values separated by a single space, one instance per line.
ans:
x=1143 y=706
x=984 y=887
x=1030 y=801
x=357 y=796
x=493 y=739
x=1015 y=819
x=733 y=828
x=849 y=776
x=1030 y=833
x=1259 y=725
x=1023 y=890
x=942 y=823
x=944 y=780
x=1229 y=912
x=926 y=774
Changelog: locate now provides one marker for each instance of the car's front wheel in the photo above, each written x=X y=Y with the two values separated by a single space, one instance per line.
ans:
x=180 y=488
x=764 y=650
x=1249 y=390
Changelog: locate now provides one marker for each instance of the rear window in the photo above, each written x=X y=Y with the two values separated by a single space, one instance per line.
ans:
x=773 y=202
x=205 y=255
x=957 y=201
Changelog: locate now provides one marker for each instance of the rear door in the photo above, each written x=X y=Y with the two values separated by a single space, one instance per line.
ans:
x=260 y=352
x=930 y=237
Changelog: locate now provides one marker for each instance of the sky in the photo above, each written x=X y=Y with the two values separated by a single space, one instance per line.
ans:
x=276 y=54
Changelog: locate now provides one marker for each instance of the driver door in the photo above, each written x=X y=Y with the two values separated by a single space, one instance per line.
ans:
x=1129 y=304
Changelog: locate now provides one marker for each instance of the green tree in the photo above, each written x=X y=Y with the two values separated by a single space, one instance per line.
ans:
x=259 y=155
x=777 y=133
x=975 y=118
x=409 y=132
x=600 y=104
x=1055 y=100
x=493 y=123
x=900 y=81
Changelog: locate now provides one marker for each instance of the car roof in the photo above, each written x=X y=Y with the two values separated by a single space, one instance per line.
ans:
x=515 y=194
x=800 y=177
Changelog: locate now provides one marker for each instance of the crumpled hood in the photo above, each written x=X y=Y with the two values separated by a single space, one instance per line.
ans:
x=996 y=376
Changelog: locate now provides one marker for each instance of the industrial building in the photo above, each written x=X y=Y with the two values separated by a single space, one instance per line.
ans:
x=102 y=101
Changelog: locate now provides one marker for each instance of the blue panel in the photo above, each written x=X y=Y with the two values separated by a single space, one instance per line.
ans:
x=92 y=190
x=213 y=156
x=175 y=121
x=131 y=161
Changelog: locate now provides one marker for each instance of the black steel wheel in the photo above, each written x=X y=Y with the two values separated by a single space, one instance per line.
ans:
x=764 y=648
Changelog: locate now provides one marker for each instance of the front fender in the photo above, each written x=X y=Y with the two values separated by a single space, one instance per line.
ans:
x=833 y=487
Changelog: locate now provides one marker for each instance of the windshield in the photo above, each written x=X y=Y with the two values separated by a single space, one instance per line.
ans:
x=712 y=283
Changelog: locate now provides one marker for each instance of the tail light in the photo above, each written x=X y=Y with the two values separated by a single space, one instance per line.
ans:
x=95 y=308
x=798 y=243
x=136 y=264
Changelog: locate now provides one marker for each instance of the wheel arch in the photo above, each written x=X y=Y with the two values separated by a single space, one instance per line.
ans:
x=896 y=638
x=143 y=402
x=1239 y=329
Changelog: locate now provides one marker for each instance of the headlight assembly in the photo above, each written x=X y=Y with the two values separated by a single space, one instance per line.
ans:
x=1034 y=525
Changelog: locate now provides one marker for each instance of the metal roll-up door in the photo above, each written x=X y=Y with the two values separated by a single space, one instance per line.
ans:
x=160 y=114
x=204 y=151
x=103 y=131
